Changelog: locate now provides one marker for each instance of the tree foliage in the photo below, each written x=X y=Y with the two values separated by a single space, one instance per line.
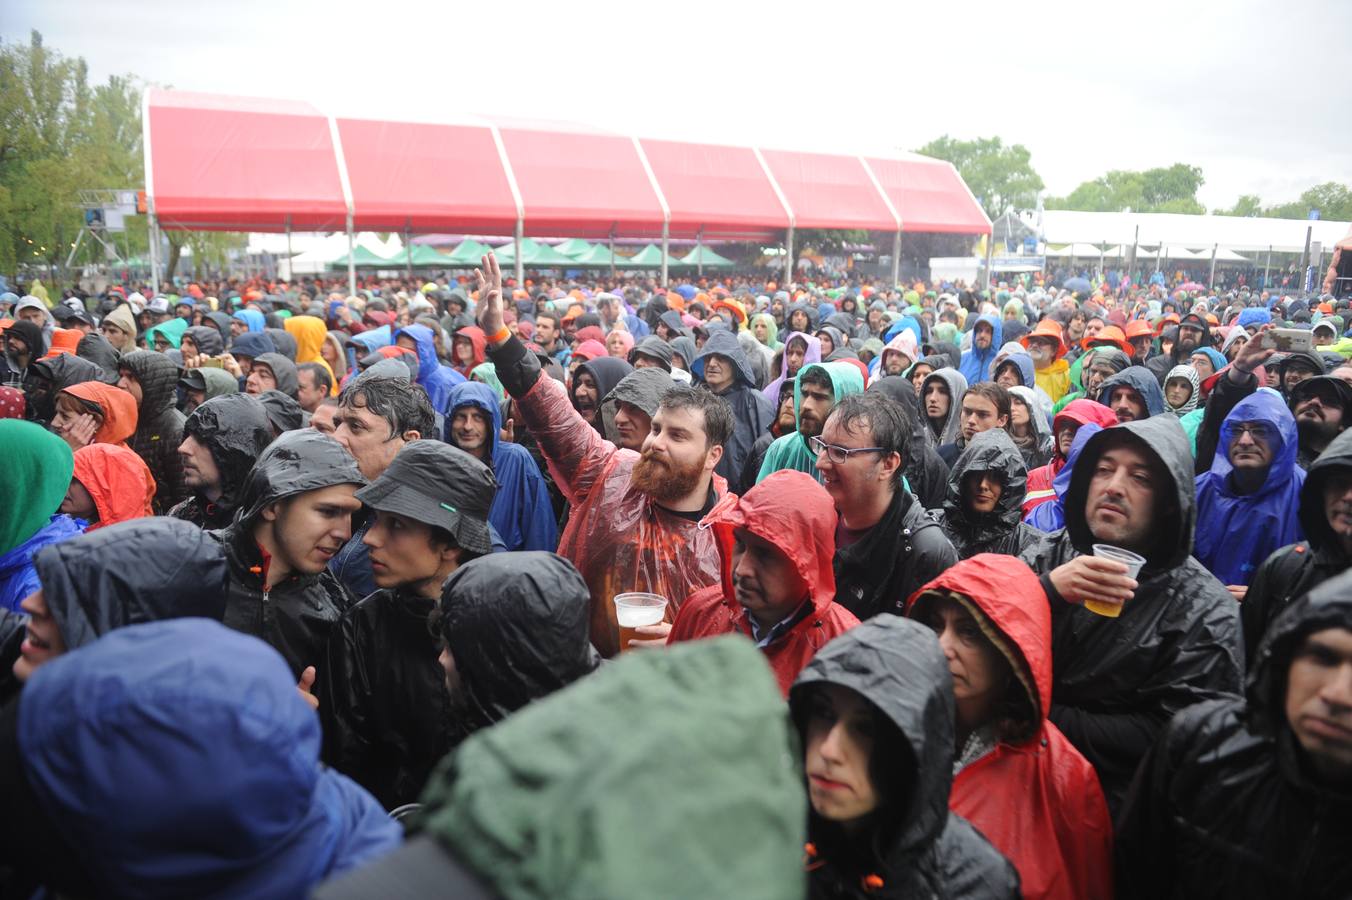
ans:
x=1001 y=177
x=59 y=135
x=1332 y=199
x=1160 y=190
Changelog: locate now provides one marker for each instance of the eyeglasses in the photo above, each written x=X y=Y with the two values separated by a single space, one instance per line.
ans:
x=837 y=454
x=1259 y=431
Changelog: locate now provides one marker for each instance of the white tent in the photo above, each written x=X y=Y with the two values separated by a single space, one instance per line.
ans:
x=1061 y=226
x=1079 y=251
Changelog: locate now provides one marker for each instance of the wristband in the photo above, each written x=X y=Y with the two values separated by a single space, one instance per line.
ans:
x=500 y=335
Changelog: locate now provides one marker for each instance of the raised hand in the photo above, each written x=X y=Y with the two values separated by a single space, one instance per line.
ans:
x=490 y=295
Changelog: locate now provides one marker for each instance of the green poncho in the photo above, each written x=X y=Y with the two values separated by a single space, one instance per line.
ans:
x=791 y=451
x=668 y=774
x=772 y=330
x=38 y=467
x=172 y=329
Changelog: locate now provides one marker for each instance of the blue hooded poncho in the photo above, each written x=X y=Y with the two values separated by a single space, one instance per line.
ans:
x=521 y=512
x=1236 y=532
x=976 y=364
x=436 y=379
x=1051 y=516
x=178 y=760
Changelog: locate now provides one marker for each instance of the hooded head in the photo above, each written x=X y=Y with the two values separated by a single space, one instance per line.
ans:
x=1080 y=413
x=1267 y=408
x=1162 y=442
x=116 y=406
x=1021 y=365
x=133 y=747
x=252 y=345
x=1336 y=459
x=516 y=626
x=990 y=451
x=283 y=372
x=206 y=339
x=1006 y=599
x=167 y=335
x=296 y=462
x=482 y=397
x=478 y=343
x=282 y=342
x=1184 y=374
x=846 y=379
x=235 y=430
x=51 y=376
x=949 y=428
x=95 y=348
x=653 y=348
x=309 y=332
x=725 y=344
x=180 y=572
x=253 y=320
x=897 y=666
x=1142 y=382
x=158 y=378
x=38 y=466
x=118 y=481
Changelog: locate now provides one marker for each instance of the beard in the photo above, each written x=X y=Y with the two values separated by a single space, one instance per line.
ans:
x=1315 y=430
x=663 y=480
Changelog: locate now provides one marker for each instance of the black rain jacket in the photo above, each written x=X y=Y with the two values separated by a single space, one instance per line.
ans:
x=925 y=470
x=1118 y=682
x=1296 y=569
x=159 y=425
x=295 y=616
x=1225 y=805
x=919 y=849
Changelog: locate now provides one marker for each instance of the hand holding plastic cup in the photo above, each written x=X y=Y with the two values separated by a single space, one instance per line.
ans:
x=634 y=610
x=1132 y=561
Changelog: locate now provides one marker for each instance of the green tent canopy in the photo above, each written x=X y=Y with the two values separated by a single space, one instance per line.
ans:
x=650 y=257
x=703 y=256
x=423 y=257
x=533 y=254
x=599 y=257
x=574 y=247
x=469 y=253
x=364 y=258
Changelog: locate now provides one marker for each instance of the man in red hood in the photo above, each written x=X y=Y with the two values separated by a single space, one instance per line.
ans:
x=776 y=545
x=1064 y=426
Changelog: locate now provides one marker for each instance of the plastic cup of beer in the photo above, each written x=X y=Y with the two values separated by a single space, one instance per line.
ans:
x=1132 y=561
x=634 y=610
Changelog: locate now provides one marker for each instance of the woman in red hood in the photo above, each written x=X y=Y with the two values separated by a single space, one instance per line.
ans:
x=1017 y=778
x=1064 y=425
x=467 y=349
x=111 y=484
x=94 y=413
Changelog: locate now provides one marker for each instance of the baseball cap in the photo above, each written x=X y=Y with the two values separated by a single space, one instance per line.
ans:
x=158 y=305
x=438 y=485
x=193 y=380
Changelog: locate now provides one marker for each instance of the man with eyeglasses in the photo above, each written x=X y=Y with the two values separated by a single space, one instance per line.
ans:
x=886 y=546
x=1248 y=504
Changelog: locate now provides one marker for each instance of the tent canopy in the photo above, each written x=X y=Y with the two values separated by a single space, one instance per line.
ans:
x=703 y=256
x=232 y=163
x=1238 y=233
x=364 y=258
x=651 y=257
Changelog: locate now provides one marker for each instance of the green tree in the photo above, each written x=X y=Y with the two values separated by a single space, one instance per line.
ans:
x=1173 y=189
x=1001 y=177
x=59 y=135
x=1246 y=205
x=1332 y=199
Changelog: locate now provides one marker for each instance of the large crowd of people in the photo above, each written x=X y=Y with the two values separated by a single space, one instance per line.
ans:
x=945 y=592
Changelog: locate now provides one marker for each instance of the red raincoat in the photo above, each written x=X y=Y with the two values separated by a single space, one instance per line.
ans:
x=477 y=341
x=118 y=481
x=619 y=539
x=119 y=410
x=1039 y=488
x=790 y=509
x=1038 y=802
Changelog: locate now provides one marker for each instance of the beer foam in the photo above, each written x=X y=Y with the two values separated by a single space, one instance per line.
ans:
x=635 y=616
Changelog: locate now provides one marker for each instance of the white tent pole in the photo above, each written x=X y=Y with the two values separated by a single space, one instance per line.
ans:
x=408 y=251
x=1211 y=282
x=154 y=254
x=520 y=263
x=351 y=259
x=896 y=259
x=288 y=249
x=788 y=257
x=666 y=239
x=1266 y=264
x=1131 y=270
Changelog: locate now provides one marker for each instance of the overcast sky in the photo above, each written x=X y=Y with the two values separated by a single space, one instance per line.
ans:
x=1253 y=91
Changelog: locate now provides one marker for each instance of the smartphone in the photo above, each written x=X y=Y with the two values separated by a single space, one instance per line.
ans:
x=212 y=362
x=1290 y=340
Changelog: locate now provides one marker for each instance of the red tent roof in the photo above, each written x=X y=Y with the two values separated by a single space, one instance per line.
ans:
x=241 y=164
x=422 y=177
x=929 y=195
x=264 y=165
x=719 y=188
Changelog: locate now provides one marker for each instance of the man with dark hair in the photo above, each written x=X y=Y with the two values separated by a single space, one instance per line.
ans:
x=1174 y=638
x=816 y=391
x=634 y=523
x=376 y=417
x=272 y=372
x=1245 y=798
x=886 y=546
x=314 y=384
x=1323 y=409
x=629 y=408
x=384 y=700
x=295 y=512
x=549 y=337
x=984 y=406
x=222 y=440
x=322 y=419
x=1133 y=394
